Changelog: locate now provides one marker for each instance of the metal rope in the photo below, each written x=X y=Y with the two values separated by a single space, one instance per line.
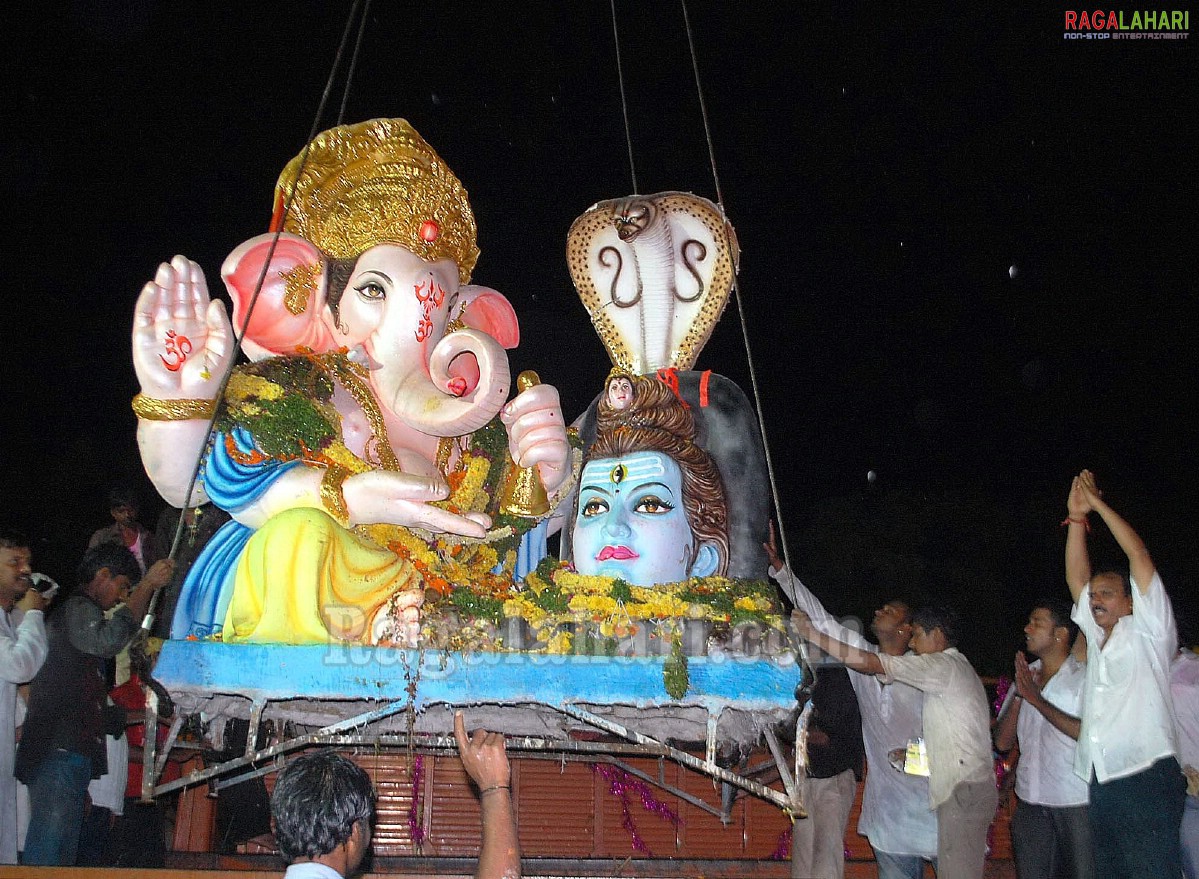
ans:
x=753 y=375
x=345 y=95
x=624 y=106
x=148 y=621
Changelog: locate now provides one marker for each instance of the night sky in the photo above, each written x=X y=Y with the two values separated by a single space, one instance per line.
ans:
x=968 y=247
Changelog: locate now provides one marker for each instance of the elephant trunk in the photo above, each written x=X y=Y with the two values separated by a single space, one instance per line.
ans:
x=440 y=402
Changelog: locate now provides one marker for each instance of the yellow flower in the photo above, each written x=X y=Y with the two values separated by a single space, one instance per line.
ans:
x=242 y=386
x=559 y=643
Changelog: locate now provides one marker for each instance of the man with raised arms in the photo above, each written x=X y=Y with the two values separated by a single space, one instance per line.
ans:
x=1127 y=748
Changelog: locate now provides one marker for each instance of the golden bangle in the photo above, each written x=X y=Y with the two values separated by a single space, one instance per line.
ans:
x=332 y=497
x=153 y=409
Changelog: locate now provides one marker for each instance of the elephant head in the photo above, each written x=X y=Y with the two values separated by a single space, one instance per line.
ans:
x=376 y=243
x=654 y=272
x=434 y=348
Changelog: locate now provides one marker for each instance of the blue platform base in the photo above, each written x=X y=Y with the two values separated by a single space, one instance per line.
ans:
x=516 y=693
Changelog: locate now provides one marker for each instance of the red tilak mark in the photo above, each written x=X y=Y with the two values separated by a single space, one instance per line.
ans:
x=430 y=296
x=178 y=347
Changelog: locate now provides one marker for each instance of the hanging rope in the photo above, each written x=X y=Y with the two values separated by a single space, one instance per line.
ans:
x=753 y=374
x=624 y=105
x=240 y=334
x=345 y=95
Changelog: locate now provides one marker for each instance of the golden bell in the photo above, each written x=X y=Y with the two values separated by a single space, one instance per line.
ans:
x=523 y=493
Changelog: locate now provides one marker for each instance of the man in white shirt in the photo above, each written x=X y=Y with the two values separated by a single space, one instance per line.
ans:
x=1184 y=689
x=957 y=721
x=22 y=650
x=895 y=816
x=1051 y=832
x=1127 y=748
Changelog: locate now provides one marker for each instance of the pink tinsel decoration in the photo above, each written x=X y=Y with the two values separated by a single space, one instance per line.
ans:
x=414 y=823
x=782 y=850
x=620 y=784
x=1001 y=687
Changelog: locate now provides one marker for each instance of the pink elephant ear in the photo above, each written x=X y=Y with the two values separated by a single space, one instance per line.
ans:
x=289 y=312
x=490 y=311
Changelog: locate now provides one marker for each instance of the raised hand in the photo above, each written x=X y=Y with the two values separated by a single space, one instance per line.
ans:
x=1077 y=503
x=1028 y=687
x=802 y=624
x=483 y=756
x=772 y=550
x=537 y=433
x=182 y=340
x=159 y=574
x=32 y=600
x=1090 y=491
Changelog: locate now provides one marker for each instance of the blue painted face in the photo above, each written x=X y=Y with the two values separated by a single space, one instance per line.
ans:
x=631 y=523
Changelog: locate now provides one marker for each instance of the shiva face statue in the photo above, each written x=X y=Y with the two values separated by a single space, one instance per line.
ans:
x=631 y=522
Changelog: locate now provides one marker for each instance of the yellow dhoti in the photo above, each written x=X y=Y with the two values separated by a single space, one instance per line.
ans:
x=304 y=579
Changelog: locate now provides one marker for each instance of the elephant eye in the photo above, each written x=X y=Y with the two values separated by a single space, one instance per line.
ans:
x=371 y=291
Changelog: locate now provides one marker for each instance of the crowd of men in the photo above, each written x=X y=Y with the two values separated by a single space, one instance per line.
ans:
x=1106 y=725
x=1106 y=733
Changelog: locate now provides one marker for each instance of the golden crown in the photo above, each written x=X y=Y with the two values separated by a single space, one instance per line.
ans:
x=377 y=182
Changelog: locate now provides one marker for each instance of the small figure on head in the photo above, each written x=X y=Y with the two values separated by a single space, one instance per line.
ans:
x=618 y=395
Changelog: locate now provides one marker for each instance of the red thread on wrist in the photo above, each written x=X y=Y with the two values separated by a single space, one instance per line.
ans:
x=1084 y=522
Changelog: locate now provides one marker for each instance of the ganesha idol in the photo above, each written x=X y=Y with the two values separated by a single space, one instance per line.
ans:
x=376 y=371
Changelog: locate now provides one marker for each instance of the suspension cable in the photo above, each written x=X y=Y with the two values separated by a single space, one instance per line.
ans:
x=240 y=334
x=345 y=95
x=624 y=105
x=736 y=289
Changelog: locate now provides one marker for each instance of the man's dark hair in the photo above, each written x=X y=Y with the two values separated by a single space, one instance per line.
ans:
x=122 y=496
x=113 y=556
x=316 y=803
x=1120 y=575
x=907 y=605
x=10 y=539
x=939 y=617
x=1059 y=612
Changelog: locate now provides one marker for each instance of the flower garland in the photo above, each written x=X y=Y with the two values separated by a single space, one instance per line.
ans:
x=415 y=829
x=556 y=595
x=620 y=784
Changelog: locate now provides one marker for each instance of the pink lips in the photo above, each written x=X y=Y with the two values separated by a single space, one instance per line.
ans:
x=621 y=553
